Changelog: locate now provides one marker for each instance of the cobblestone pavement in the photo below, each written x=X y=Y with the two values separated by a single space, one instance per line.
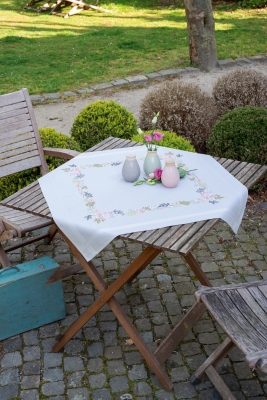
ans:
x=98 y=364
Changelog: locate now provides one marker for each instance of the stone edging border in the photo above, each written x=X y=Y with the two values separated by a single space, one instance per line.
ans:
x=142 y=79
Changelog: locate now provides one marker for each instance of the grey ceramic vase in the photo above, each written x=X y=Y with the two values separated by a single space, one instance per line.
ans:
x=130 y=170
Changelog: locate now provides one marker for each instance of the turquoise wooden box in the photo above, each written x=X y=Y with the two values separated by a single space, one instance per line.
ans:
x=31 y=295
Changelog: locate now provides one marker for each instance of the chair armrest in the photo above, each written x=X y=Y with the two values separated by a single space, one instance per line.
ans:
x=63 y=153
x=257 y=360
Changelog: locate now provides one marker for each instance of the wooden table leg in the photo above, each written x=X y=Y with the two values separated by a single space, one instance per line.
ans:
x=106 y=297
x=196 y=268
x=106 y=292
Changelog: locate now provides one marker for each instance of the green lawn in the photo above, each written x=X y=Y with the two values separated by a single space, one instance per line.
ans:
x=46 y=53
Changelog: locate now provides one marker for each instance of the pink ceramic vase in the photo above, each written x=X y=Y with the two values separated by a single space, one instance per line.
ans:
x=170 y=175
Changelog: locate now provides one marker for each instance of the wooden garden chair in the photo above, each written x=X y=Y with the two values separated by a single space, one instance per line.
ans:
x=20 y=150
x=241 y=311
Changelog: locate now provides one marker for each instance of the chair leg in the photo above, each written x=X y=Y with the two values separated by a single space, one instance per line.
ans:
x=171 y=342
x=51 y=232
x=213 y=360
x=217 y=381
x=3 y=258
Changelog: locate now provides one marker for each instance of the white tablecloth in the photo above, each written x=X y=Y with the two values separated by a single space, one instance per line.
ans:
x=92 y=204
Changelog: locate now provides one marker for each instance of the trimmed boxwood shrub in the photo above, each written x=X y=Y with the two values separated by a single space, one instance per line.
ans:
x=102 y=119
x=170 y=139
x=241 y=134
x=240 y=88
x=183 y=108
x=50 y=138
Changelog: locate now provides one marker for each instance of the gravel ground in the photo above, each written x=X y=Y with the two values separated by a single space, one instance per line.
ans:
x=60 y=115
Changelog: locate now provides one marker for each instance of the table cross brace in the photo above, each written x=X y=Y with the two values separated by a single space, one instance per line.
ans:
x=107 y=296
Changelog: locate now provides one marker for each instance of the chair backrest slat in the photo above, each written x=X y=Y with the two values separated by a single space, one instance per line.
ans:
x=18 y=157
x=11 y=98
x=20 y=141
x=19 y=151
x=9 y=121
x=27 y=141
x=15 y=129
x=10 y=107
x=19 y=166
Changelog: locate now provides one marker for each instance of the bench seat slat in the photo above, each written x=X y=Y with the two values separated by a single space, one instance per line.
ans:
x=258 y=308
x=228 y=317
x=247 y=312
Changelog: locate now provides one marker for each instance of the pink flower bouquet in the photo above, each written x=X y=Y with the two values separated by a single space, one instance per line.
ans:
x=152 y=140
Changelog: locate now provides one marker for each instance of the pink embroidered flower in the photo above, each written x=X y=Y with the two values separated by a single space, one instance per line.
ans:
x=157 y=173
x=158 y=136
x=148 y=138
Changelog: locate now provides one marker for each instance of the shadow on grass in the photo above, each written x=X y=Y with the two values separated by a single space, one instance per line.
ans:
x=47 y=54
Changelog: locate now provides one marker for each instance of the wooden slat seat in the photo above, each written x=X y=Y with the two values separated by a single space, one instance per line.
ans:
x=241 y=311
x=21 y=221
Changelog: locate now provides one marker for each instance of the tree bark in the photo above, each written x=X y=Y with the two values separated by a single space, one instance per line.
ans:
x=201 y=33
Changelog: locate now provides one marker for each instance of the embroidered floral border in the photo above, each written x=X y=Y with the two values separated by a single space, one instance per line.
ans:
x=100 y=216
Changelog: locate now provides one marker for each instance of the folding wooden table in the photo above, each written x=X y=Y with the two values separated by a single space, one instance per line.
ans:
x=181 y=239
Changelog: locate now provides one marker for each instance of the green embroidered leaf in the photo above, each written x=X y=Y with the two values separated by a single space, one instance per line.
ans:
x=138 y=183
x=130 y=213
x=90 y=203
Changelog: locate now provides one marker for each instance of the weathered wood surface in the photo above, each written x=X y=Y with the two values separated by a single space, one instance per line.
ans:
x=257 y=360
x=241 y=311
x=21 y=147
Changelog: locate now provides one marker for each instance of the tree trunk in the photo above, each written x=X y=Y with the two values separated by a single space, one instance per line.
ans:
x=201 y=33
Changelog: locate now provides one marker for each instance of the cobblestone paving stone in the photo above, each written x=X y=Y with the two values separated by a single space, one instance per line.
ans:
x=98 y=364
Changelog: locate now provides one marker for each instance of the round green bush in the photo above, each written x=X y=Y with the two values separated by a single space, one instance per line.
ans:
x=170 y=139
x=50 y=138
x=241 y=134
x=102 y=119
